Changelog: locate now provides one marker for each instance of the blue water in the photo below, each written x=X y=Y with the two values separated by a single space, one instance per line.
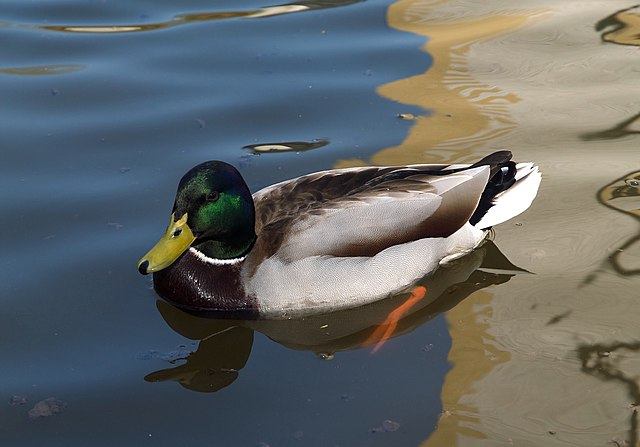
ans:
x=97 y=128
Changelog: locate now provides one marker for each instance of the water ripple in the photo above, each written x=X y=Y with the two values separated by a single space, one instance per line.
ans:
x=39 y=70
x=183 y=19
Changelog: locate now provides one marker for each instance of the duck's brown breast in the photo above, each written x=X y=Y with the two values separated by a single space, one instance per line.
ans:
x=198 y=286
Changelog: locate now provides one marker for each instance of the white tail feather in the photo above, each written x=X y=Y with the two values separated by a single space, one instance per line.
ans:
x=516 y=199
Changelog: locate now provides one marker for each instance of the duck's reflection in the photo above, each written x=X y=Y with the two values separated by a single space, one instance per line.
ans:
x=226 y=344
x=223 y=351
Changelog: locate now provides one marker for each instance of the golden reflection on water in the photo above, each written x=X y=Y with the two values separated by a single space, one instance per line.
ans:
x=182 y=19
x=545 y=359
x=472 y=344
x=464 y=114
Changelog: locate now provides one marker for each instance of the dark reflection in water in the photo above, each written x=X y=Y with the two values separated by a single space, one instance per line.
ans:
x=623 y=195
x=603 y=361
x=558 y=318
x=225 y=345
x=621 y=27
x=182 y=19
x=623 y=129
x=223 y=351
x=287 y=146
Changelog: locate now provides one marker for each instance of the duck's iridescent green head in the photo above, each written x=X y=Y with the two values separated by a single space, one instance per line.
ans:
x=213 y=212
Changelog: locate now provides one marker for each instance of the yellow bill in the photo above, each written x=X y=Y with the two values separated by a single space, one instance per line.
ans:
x=175 y=241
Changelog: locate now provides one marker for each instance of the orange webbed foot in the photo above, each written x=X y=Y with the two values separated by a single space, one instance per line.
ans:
x=385 y=330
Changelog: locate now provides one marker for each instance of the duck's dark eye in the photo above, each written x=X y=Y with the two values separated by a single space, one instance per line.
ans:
x=177 y=233
x=633 y=183
x=213 y=196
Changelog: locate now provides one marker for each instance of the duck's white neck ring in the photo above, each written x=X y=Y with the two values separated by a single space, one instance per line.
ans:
x=214 y=261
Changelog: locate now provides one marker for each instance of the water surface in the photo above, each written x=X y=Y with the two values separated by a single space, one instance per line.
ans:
x=107 y=104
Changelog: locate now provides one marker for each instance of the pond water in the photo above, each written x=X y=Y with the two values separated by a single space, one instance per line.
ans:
x=107 y=103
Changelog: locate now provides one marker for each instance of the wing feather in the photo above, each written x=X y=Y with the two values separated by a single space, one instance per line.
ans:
x=362 y=211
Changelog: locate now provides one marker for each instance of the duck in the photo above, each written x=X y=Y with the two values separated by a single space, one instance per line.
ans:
x=329 y=240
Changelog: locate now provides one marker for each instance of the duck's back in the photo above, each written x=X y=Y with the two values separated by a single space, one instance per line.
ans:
x=343 y=238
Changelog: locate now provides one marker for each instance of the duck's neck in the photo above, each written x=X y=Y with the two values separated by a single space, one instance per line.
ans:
x=232 y=248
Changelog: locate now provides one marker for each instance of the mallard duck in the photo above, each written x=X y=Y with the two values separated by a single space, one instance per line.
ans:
x=329 y=240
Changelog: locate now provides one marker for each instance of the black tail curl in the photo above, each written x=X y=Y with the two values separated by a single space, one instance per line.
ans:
x=502 y=177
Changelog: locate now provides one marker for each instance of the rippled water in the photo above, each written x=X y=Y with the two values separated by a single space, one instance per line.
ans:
x=107 y=104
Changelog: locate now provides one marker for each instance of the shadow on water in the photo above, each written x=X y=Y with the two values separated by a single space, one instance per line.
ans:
x=183 y=19
x=621 y=130
x=225 y=345
x=622 y=28
x=622 y=195
x=603 y=362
